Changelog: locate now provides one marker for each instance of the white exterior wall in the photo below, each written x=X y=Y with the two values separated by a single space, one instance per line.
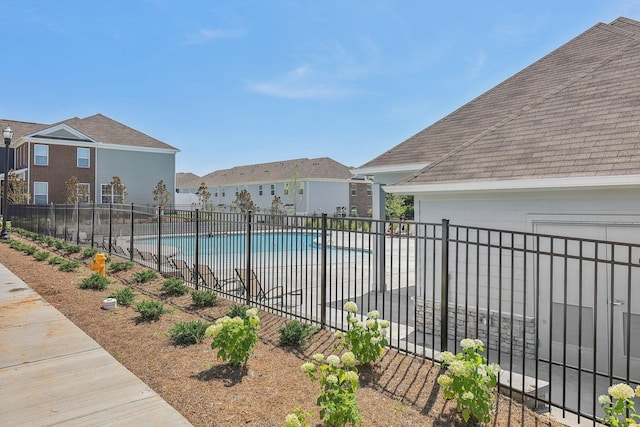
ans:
x=526 y=211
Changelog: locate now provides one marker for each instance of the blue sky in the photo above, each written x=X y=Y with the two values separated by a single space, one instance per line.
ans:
x=240 y=82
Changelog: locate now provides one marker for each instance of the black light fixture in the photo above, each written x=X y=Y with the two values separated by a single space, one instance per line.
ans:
x=7 y=134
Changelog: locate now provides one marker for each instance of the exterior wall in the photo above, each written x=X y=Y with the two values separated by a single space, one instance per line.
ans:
x=360 y=204
x=318 y=196
x=62 y=166
x=523 y=211
x=139 y=171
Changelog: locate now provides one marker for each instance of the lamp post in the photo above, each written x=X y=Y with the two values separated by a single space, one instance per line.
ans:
x=7 y=134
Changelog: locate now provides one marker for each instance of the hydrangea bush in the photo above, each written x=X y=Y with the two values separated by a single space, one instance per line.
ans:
x=338 y=378
x=366 y=340
x=235 y=337
x=616 y=410
x=470 y=380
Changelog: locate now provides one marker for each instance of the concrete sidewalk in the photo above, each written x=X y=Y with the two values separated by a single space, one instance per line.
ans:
x=52 y=373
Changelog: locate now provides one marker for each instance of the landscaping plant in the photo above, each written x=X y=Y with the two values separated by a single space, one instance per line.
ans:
x=235 y=337
x=238 y=311
x=41 y=255
x=88 y=253
x=150 y=310
x=298 y=418
x=174 y=287
x=366 y=340
x=68 y=265
x=616 y=410
x=296 y=334
x=470 y=380
x=206 y=298
x=144 y=276
x=187 y=333
x=123 y=296
x=115 y=267
x=338 y=378
x=96 y=282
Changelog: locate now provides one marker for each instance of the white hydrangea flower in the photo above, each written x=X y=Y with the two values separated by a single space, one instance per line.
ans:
x=467 y=395
x=349 y=359
x=292 y=420
x=371 y=323
x=638 y=391
x=603 y=399
x=359 y=324
x=384 y=324
x=373 y=314
x=318 y=357
x=223 y=320
x=351 y=376
x=621 y=391
x=333 y=360
x=238 y=320
x=353 y=320
x=254 y=321
x=374 y=340
x=214 y=330
x=458 y=368
x=467 y=343
x=252 y=312
x=494 y=368
x=446 y=357
x=445 y=380
x=479 y=343
x=351 y=307
x=338 y=334
x=332 y=379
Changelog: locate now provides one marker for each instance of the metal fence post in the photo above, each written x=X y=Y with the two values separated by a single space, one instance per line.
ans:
x=93 y=223
x=444 y=288
x=247 y=272
x=77 y=223
x=159 y=240
x=323 y=273
x=110 y=226
x=196 y=263
x=131 y=235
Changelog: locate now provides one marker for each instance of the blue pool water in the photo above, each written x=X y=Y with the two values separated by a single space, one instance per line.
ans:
x=276 y=242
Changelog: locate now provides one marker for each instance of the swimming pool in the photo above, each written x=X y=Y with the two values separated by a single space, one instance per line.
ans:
x=232 y=243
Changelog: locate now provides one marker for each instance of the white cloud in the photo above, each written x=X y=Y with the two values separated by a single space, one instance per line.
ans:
x=301 y=83
x=207 y=34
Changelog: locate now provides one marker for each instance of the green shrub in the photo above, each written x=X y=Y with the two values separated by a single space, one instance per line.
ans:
x=150 y=310
x=124 y=296
x=96 y=281
x=206 y=298
x=235 y=338
x=295 y=333
x=59 y=244
x=238 y=311
x=50 y=241
x=68 y=265
x=41 y=255
x=117 y=266
x=54 y=260
x=29 y=249
x=144 y=276
x=187 y=333
x=72 y=249
x=89 y=253
x=174 y=287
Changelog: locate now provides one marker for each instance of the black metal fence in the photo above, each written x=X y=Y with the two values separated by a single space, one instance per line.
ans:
x=560 y=315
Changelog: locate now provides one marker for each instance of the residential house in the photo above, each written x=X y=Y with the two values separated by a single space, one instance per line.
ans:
x=553 y=149
x=94 y=150
x=306 y=186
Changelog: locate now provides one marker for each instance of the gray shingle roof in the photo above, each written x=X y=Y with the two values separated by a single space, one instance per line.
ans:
x=283 y=171
x=98 y=127
x=575 y=112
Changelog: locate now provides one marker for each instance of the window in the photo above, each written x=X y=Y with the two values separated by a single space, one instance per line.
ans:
x=260 y=190
x=369 y=191
x=41 y=155
x=237 y=192
x=84 y=193
x=40 y=193
x=353 y=189
x=224 y=192
x=300 y=189
x=108 y=195
x=83 y=158
x=215 y=192
x=286 y=189
x=273 y=189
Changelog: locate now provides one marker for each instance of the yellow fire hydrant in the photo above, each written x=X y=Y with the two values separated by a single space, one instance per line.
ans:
x=100 y=264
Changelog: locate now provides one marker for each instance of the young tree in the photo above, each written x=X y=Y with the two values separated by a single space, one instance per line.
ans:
x=203 y=195
x=17 y=190
x=294 y=190
x=76 y=192
x=160 y=194
x=118 y=190
x=243 y=201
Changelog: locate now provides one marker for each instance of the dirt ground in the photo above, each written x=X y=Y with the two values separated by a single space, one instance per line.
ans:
x=400 y=390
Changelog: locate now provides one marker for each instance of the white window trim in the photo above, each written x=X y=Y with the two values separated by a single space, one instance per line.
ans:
x=88 y=158
x=46 y=194
x=35 y=155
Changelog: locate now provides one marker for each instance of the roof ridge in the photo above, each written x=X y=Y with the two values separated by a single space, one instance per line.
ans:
x=528 y=106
